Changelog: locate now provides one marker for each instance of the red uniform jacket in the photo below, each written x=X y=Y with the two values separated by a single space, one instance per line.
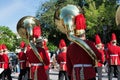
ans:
x=37 y=70
x=6 y=61
x=1 y=61
x=113 y=55
x=61 y=60
x=76 y=55
x=47 y=66
x=101 y=61
x=22 y=60
x=47 y=50
x=27 y=52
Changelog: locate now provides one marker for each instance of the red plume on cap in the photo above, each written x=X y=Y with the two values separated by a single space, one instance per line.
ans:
x=113 y=37
x=97 y=39
x=36 y=31
x=62 y=43
x=4 y=47
x=22 y=44
x=80 y=22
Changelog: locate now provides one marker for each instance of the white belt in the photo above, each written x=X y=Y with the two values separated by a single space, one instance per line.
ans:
x=82 y=65
x=2 y=62
x=36 y=64
x=63 y=62
x=114 y=55
x=22 y=61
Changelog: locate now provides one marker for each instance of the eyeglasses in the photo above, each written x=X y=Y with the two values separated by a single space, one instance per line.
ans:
x=39 y=43
x=114 y=42
x=4 y=50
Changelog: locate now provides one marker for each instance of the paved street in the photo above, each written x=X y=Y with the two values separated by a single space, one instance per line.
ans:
x=54 y=75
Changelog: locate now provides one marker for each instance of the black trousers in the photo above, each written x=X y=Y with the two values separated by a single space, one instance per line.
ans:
x=92 y=79
x=111 y=71
x=115 y=71
x=99 y=71
x=22 y=74
x=88 y=79
x=1 y=76
x=47 y=72
x=28 y=73
x=63 y=74
x=7 y=73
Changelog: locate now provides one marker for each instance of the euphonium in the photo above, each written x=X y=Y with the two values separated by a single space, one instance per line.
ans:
x=117 y=17
x=64 y=19
x=25 y=29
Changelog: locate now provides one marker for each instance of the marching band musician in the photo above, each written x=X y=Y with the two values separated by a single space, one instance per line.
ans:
x=1 y=51
x=100 y=47
x=7 y=70
x=61 y=60
x=22 y=60
x=1 y=62
x=44 y=45
x=113 y=57
x=79 y=63
x=28 y=71
x=36 y=66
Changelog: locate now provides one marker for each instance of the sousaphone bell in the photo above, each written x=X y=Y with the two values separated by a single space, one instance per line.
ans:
x=65 y=21
x=25 y=29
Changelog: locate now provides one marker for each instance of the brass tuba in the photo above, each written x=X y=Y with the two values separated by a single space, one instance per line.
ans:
x=25 y=29
x=117 y=17
x=64 y=20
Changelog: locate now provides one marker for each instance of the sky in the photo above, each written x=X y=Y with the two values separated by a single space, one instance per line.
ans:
x=11 y=11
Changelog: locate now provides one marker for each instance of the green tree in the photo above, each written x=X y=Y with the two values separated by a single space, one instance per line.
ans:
x=98 y=13
x=7 y=37
x=45 y=14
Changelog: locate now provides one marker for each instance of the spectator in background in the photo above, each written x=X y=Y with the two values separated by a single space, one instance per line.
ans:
x=54 y=61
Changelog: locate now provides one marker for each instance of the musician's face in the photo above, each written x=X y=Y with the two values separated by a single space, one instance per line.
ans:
x=1 y=52
x=114 y=42
x=39 y=44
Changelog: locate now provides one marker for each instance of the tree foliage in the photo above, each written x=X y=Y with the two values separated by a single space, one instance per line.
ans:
x=7 y=37
x=45 y=14
x=98 y=13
